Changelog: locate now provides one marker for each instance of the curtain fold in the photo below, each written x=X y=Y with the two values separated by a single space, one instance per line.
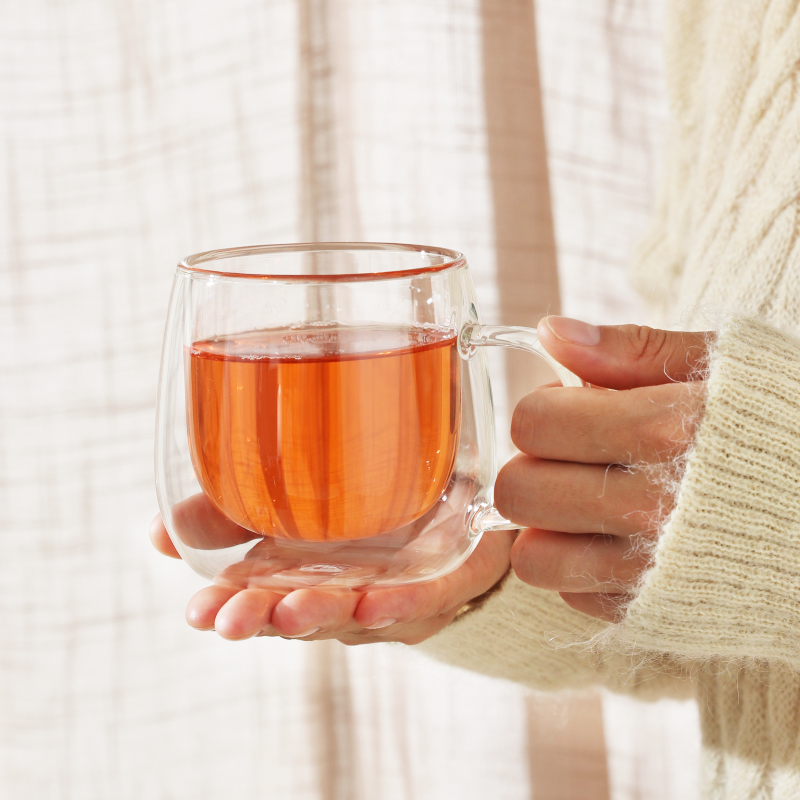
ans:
x=525 y=251
x=566 y=747
x=329 y=210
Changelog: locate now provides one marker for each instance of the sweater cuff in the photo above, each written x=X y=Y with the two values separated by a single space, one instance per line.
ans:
x=518 y=634
x=532 y=637
x=726 y=575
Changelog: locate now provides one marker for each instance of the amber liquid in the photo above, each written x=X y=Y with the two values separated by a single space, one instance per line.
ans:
x=324 y=433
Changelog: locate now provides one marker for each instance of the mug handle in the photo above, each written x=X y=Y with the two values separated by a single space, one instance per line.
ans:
x=473 y=335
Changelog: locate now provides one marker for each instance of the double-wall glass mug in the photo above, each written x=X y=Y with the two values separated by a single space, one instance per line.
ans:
x=325 y=415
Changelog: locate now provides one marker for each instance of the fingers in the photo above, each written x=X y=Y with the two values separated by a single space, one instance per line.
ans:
x=596 y=464
x=242 y=614
x=608 y=607
x=397 y=613
x=406 y=614
x=594 y=426
x=625 y=356
x=200 y=525
x=202 y=609
x=564 y=562
x=309 y=611
x=246 y=613
x=160 y=539
x=577 y=498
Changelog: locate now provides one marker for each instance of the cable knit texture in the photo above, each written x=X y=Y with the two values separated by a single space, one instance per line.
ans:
x=723 y=598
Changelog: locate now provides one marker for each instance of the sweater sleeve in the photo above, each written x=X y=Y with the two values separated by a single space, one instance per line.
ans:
x=726 y=576
x=532 y=637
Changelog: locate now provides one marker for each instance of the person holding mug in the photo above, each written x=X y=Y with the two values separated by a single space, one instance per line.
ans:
x=661 y=521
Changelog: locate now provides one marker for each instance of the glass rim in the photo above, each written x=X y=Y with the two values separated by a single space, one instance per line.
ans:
x=192 y=263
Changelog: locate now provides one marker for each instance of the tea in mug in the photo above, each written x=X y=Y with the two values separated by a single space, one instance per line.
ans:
x=324 y=433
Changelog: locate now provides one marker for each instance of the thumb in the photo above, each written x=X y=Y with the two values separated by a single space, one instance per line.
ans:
x=625 y=356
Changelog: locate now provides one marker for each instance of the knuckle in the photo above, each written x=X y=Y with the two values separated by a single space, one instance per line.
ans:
x=603 y=564
x=668 y=429
x=665 y=438
x=647 y=344
x=654 y=433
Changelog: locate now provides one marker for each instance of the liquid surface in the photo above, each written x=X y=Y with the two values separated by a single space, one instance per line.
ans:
x=324 y=433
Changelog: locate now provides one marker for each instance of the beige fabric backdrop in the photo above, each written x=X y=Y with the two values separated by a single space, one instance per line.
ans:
x=135 y=133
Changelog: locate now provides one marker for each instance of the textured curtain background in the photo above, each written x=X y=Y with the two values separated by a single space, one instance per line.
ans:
x=133 y=133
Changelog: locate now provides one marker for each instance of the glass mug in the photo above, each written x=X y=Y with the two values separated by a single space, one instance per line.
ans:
x=325 y=415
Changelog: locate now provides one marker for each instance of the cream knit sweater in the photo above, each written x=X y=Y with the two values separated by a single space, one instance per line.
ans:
x=719 y=612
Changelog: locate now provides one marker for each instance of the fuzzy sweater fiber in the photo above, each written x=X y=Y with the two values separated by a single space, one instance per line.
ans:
x=718 y=614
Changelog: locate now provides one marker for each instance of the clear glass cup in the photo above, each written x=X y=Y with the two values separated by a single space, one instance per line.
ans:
x=325 y=415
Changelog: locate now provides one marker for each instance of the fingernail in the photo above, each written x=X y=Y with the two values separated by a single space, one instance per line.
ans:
x=303 y=634
x=382 y=623
x=574 y=331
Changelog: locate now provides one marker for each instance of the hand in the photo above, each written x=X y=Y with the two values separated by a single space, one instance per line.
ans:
x=408 y=614
x=593 y=480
